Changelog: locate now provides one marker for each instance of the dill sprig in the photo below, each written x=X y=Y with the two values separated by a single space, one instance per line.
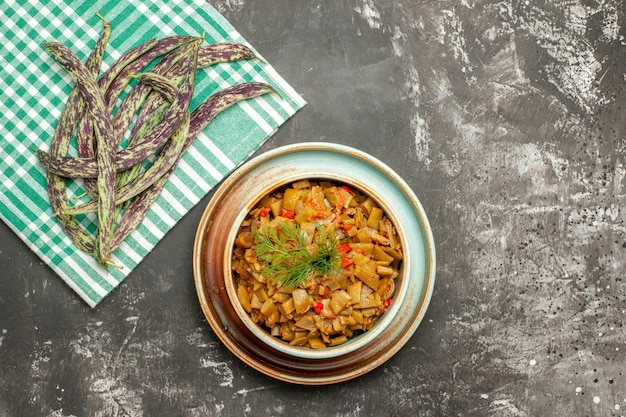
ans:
x=287 y=259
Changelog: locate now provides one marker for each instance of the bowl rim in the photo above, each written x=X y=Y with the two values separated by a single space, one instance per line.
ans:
x=218 y=308
x=353 y=343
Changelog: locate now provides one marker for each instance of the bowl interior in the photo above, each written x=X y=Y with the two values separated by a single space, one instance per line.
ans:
x=354 y=343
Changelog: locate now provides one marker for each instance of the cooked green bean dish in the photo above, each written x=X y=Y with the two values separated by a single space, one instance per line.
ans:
x=316 y=263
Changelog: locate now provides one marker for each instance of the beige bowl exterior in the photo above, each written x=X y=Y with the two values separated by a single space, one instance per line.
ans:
x=215 y=284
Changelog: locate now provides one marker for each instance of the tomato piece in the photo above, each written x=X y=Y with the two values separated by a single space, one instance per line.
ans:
x=344 y=247
x=289 y=214
x=346 y=262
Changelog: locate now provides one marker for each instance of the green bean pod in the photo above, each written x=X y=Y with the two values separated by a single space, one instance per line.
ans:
x=161 y=126
x=73 y=167
x=134 y=214
x=199 y=119
x=135 y=98
x=168 y=90
x=207 y=56
x=166 y=158
x=138 y=151
x=84 y=127
x=85 y=167
x=113 y=81
x=136 y=59
x=60 y=145
x=220 y=101
x=163 y=162
x=166 y=87
x=163 y=48
x=84 y=139
x=223 y=52
x=105 y=156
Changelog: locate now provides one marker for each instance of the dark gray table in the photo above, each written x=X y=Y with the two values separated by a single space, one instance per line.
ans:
x=507 y=120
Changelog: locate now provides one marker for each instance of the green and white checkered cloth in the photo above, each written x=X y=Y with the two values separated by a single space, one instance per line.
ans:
x=33 y=90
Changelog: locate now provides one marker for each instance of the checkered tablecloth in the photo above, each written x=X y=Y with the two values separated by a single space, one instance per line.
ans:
x=33 y=90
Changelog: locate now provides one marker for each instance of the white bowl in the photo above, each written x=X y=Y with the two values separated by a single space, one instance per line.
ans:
x=215 y=283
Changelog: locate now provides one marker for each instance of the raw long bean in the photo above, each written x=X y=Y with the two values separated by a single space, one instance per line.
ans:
x=134 y=154
x=113 y=81
x=207 y=56
x=153 y=100
x=223 y=52
x=222 y=100
x=113 y=88
x=164 y=122
x=104 y=82
x=69 y=166
x=60 y=145
x=105 y=156
x=133 y=215
x=84 y=128
x=168 y=156
x=200 y=117
x=138 y=151
x=134 y=99
x=171 y=154
x=167 y=89
x=72 y=167
x=163 y=47
x=163 y=162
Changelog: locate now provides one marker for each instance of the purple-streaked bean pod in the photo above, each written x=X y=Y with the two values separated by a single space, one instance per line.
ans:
x=170 y=153
x=166 y=87
x=207 y=55
x=111 y=84
x=139 y=151
x=137 y=210
x=140 y=205
x=74 y=167
x=163 y=47
x=126 y=158
x=132 y=102
x=60 y=145
x=105 y=156
x=166 y=159
x=163 y=163
x=84 y=130
x=223 y=52
x=136 y=59
x=85 y=167
x=135 y=98
x=222 y=100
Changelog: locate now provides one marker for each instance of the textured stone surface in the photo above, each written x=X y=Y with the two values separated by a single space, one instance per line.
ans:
x=505 y=118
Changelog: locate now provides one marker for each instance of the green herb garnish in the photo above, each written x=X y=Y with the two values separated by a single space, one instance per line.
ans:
x=287 y=259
